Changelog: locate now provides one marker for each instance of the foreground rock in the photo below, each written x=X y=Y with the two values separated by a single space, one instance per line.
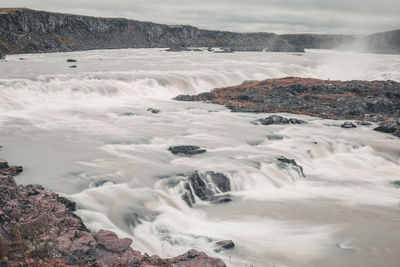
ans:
x=187 y=150
x=39 y=228
x=376 y=101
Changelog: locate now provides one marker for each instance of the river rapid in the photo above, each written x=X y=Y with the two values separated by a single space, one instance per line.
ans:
x=86 y=133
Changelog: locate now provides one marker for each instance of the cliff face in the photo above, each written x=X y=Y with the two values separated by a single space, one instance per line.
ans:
x=384 y=42
x=29 y=31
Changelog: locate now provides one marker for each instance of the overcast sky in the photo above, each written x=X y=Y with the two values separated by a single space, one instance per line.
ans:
x=280 y=16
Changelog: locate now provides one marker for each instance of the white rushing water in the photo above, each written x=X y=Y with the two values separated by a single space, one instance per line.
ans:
x=86 y=133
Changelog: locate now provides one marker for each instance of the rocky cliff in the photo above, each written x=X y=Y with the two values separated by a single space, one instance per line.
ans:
x=30 y=31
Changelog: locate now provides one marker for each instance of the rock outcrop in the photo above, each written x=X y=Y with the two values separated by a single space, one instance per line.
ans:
x=375 y=101
x=186 y=150
x=39 y=228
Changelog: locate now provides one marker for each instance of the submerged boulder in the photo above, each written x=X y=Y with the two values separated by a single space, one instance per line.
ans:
x=389 y=126
x=153 y=110
x=396 y=184
x=223 y=245
x=208 y=186
x=186 y=150
x=348 y=125
x=285 y=161
x=275 y=119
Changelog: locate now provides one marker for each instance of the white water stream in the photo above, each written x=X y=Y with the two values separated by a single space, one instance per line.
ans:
x=75 y=128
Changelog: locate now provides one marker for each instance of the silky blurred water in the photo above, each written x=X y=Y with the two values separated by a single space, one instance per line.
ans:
x=86 y=133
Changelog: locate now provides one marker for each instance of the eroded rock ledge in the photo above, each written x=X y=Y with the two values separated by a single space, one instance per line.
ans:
x=375 y=101
x=39 y=228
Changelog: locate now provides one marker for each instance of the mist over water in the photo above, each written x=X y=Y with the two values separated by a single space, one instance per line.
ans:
x=86 y=133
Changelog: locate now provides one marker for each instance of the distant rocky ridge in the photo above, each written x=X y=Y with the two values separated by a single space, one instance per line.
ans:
x=30 y=31
x=375 y=101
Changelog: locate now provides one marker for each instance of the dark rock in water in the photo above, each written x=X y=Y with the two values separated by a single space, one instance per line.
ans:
x=396 y=184
x=274 y=137
x=128 y=114
x=223 y=50
x=364 y=123
x=389 y=126
x=187 y=150
x=220 y=180
x=153 y=110
x=348 y=125
x=218 y=199
x=178 y=49
x=274 y=119
x=71 y=60
x=184 y=98
x=203 y=96
x=207 y=186
x=222 y=245
x=73 y=66
x=293 y=163
x=21 y=58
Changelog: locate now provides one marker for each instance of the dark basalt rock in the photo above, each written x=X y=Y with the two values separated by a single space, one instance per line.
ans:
x=186 y=150
x=184 y=98
x=71 y=60
x=390 y=126
x=291 y=162
x=222 y=245
x=396 y=184
x=207 y=186
x=274 y=119
x=153 y=110
x=348 y=125
x=364 y=123
x=73 y=66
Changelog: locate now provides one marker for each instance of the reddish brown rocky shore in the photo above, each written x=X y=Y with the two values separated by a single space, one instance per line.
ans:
x=39 y=228
x=375 y=101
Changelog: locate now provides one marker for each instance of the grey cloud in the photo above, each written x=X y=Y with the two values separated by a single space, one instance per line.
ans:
x=281 y=16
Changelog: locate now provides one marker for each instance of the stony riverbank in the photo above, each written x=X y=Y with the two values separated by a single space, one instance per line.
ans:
x=375 y=101
x=39 y=228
